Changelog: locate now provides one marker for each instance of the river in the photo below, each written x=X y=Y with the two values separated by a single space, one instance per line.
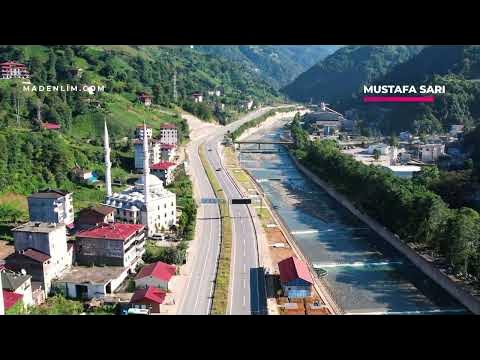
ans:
x=364 y=272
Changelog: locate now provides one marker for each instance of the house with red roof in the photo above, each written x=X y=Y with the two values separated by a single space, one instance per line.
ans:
x=114 y=244
x=50 y=126
x=157 y=275
x=145 y=99
x=148 y=298
x=295 y=278
x=12 y=70
x=164 y=171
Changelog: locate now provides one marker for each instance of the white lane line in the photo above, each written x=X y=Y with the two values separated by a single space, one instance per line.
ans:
x=244 y=268
x=244 y=283
x=204 y=263
x=244 y=301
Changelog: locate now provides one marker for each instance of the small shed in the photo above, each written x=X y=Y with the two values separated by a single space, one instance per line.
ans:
x=295 y=278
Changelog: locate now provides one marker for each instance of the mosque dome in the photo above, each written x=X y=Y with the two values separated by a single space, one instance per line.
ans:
x=153 y=182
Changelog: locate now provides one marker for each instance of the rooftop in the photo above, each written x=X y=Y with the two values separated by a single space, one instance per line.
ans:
x=100 y=209
x=10 y=299
x=167 y=146
x=36 y=255
x=162 y=165
x=292 y=268
x=168 y=126
x=151 y=293
x=159 y=270
x=91 y=274
x=115 y=231
x=12 y=280
x=38 y=227
x=51 y=126
x=49 y=193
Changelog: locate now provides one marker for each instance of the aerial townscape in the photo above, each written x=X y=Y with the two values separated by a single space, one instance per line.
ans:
x=239 y=180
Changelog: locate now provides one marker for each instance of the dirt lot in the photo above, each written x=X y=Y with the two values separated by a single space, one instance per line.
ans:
x=5 y=249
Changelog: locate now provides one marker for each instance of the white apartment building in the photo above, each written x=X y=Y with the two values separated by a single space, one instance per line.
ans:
x=168 y=134
x=51 y=206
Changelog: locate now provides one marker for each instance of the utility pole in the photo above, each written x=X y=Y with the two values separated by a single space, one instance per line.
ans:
x=175 y=86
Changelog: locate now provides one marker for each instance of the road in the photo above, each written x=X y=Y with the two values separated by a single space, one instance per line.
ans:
x=247 y=294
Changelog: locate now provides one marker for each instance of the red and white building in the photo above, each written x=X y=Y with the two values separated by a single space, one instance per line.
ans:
x=164 y=171
x=148 y=298
x=155 y=275
x=115 y=244
x=14 y=70
x=145 y=99
x=168 y=134
x=197 y=97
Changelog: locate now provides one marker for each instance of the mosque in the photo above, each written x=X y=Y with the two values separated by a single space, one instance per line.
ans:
x=147 y=202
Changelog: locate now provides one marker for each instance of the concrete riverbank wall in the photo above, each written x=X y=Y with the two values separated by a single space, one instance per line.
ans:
x=471 y=302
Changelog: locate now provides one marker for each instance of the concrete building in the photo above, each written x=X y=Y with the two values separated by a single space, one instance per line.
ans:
x=295 y=278
x=430 y=153
x=168 y=134
x=88 y=282
x=197 y=97
x=41 y=247
x=19 y=283
x=139 y=131
x=147 y=202
x=113 y=244
x=157 y=275
x=326 y=127
x=168 y=152
x=148 y=298
x=384 y=149
x=51 y=206
x=145 y=99
x=164 y=170
x=95 y=215
x=14 y=70
x=155 y=150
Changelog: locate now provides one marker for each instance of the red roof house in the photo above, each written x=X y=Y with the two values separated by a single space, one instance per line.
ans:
x=157 y=274
x=10 y=299
x=148 y=298
x=115 y=231
x=295 y=278
x=167 y=146
x=51 y=126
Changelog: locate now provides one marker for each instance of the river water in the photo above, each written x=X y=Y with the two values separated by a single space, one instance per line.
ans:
x=364 y=272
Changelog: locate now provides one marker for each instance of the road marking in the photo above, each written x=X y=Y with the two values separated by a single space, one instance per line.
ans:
x=244 y=268
x=244 y=283
x=204 y=264
x=244 y=301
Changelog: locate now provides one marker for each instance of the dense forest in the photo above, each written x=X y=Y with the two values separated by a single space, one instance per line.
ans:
x=340 y=75
x=32 y=158
x=277 y=64
x=406 y=207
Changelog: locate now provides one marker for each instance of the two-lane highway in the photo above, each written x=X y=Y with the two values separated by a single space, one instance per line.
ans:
x=247 y=288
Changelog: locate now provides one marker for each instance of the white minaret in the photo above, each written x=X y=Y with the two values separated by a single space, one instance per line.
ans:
x=146 y=167
x=108 y=164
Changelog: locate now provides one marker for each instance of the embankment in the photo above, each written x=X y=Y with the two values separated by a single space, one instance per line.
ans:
x=469 y=301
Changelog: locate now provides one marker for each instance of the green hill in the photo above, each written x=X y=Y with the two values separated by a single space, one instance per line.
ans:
x=341 y=74
x=277 y=64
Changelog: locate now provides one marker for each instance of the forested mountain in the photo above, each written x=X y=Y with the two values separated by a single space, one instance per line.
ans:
x=456 y=67
x=277 y=64
x=341 y=74
x=32 y=158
